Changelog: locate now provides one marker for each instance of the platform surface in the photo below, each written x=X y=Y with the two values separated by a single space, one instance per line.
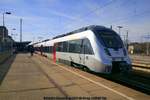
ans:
x=23 y=77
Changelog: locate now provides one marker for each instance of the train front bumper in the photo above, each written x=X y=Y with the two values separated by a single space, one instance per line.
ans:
x=121 y=67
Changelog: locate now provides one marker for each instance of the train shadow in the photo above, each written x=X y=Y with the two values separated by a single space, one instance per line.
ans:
x=5 y=66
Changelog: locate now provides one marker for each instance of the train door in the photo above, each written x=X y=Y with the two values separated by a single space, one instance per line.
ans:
x=54 y=53
x=82 y=54
x=86 y=52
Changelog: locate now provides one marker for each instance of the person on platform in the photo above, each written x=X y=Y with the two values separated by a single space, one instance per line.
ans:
x=32 y=50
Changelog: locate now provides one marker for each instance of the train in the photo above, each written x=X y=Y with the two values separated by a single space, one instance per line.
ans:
x=93 y=48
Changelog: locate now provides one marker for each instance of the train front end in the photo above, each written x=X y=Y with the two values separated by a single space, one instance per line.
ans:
x=113 y=54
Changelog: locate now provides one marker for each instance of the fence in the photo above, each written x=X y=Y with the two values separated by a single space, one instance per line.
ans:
x=5 y=50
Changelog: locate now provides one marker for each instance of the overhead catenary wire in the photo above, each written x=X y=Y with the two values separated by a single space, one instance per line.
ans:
x=128 y=17
x=135 y=13
x=117 y=20
x=90 y=12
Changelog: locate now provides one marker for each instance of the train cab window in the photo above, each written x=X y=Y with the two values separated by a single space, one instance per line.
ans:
x=87 y=48
x=109 y=39
x=75 y=46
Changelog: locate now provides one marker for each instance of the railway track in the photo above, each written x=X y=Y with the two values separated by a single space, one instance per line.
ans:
x=135 y=80
x=142 y=66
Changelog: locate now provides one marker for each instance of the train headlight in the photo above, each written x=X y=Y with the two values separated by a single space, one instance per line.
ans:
x=107 y=52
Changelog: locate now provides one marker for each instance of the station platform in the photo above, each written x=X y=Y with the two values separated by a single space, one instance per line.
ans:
x=23 y=77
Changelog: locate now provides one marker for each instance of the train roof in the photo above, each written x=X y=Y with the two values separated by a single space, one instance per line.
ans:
x=91 y=27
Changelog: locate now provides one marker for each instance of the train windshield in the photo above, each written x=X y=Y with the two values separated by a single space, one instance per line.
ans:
x=109 y=39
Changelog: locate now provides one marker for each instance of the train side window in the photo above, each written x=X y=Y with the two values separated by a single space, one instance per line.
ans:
x=65 y=46
x=44 y=49
x=75 y=46
x=87 y=46
x=62 y=46
x=59 y=47
x=71 y=46
x=50 y=49
x=47 y=49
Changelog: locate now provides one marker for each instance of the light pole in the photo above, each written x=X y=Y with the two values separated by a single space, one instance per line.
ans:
x=21 y=30
x=4 y=23
x=12 y=34
x=127 y=39
x=147 y=37
x=147 y=51
x=119 y=27
x=12 y=49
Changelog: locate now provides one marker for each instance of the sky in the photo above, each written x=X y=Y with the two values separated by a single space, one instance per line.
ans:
x=44 y=19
